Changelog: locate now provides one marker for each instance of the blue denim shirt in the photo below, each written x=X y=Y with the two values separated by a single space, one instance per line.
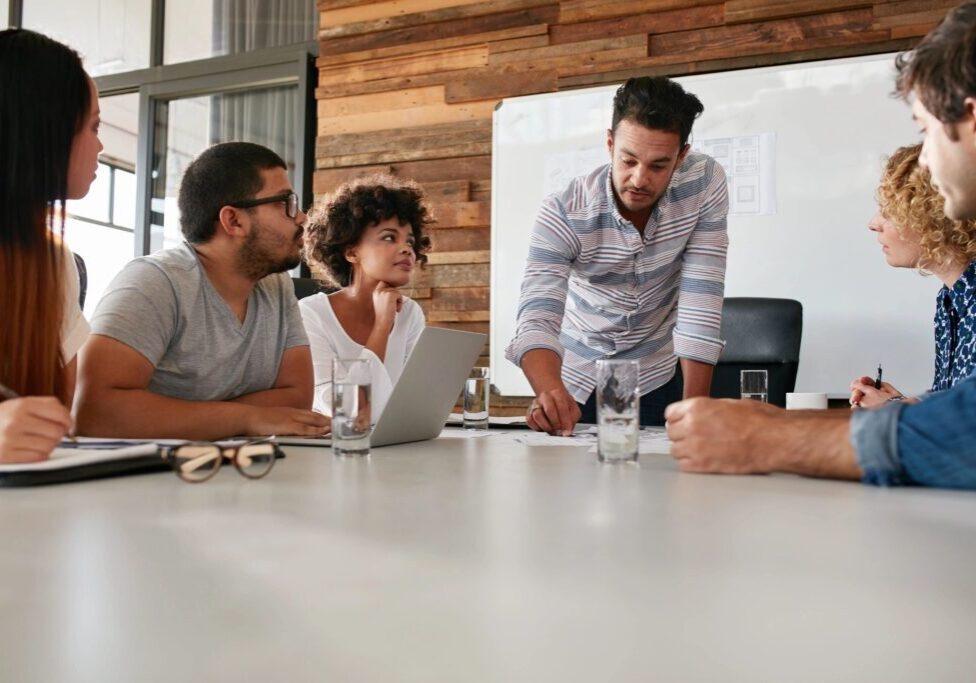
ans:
x=931 y=443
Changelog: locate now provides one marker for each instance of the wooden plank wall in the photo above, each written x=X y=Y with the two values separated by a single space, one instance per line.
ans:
x=408 y=87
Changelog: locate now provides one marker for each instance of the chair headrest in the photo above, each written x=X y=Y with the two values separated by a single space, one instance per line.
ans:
x=759 y=330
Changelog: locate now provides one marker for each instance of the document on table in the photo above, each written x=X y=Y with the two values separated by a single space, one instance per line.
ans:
x=458 y=433
x=652 y=440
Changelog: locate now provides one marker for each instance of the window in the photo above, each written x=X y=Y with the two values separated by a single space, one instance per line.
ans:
x=225 y=27
x=112 y=36
x=175 y=76
x=100 y=227
x=184 y=127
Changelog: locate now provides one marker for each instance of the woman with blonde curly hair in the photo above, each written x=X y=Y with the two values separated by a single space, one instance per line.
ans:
x=368 y=235
x=915 y=233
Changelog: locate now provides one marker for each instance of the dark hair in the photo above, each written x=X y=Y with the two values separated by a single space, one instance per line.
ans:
x=339 y=221
x=941 y=70
x=44 y=101
x=222 y=174
x=658 y=103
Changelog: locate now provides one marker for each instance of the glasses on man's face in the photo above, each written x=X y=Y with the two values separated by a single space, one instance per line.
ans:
x=289 y=198
x=199 y=460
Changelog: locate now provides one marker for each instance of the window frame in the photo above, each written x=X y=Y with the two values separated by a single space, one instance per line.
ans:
x=240 y=72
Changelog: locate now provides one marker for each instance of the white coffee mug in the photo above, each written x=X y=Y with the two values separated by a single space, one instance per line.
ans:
x=806 y=401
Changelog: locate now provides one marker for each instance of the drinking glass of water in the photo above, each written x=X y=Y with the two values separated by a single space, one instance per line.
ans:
x=351 y=424
x=754 y=384
x=476 y=392
x=617 y=410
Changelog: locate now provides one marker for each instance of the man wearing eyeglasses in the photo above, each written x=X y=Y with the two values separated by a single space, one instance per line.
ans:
x=205 y=340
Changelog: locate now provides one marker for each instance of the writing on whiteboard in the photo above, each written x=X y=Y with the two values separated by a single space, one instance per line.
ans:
x=749 y=163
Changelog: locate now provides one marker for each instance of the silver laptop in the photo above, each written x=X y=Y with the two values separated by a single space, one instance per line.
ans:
x=429 y=386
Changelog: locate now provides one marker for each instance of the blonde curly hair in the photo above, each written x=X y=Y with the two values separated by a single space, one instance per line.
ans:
x=908 y=199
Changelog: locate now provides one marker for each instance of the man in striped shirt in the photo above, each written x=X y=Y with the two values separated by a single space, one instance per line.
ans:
x=627 y=262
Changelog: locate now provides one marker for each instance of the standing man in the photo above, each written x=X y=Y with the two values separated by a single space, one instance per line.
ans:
x=933 y=442
x=627 y=262
x=205 y=340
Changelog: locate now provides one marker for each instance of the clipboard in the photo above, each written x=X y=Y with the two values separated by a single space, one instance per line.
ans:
x=86 y=460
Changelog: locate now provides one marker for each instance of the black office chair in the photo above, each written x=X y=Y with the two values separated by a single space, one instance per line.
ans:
x=307 y=286
x=82 y=279
x=760 y=334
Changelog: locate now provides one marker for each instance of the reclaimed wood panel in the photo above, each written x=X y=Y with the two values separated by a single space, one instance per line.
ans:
x=448 y=60
x=494 y=39
x=433 y=17
x=424 y=33
x=655 y=22
x=574 y=11
x=460 y=239
x=742 y=11
x=769 y=36
x=408 y=87
x=405 y=118
x=372 y=11
x=461 y=298
x=404 y=144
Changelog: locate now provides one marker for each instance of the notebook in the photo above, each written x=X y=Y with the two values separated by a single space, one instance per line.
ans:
x=86 y=459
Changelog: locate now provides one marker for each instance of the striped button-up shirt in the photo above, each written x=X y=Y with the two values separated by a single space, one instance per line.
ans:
x=594 y=288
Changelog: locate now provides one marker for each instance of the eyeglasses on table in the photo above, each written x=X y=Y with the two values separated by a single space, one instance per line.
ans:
x=198 y=461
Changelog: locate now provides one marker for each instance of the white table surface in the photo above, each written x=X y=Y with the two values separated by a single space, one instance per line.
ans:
x=484 y=560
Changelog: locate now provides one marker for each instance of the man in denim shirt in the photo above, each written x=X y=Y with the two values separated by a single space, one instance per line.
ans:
x=933 y=442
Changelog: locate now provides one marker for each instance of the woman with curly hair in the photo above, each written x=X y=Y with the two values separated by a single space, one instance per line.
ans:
x=369 y=235
x=915 y=233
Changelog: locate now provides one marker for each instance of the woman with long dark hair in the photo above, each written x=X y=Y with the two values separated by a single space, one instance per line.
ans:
x=49 y=152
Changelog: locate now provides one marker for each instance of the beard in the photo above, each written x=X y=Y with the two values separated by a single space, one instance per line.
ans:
x=257 y=258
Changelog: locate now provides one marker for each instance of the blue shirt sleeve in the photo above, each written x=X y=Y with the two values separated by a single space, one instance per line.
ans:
x=932 y=443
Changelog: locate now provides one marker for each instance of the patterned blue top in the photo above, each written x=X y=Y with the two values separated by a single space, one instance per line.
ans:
x=594 y=288
x=955 y=331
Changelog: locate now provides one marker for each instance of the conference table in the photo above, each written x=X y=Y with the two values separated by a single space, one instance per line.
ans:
x=485 y=559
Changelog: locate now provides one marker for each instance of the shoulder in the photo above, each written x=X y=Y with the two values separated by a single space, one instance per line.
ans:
x=412 y=311
x=316 y=305
x=698 y=167
x=581 y=191
x=278 y=287
x=175 y=265
x=699 y=181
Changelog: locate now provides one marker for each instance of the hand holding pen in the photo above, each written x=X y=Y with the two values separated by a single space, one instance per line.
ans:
x=30 y=427
x=872 y=392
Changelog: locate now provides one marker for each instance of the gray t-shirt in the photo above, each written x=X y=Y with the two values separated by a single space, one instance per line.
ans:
x=165 y=307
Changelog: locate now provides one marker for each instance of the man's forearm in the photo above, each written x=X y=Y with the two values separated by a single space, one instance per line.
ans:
x=816 y=445
x=697 y=377
x=278 y=397
x=141 y=414
x=543 y=369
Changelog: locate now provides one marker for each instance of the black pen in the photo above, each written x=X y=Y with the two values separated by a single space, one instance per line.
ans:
x=877 y=380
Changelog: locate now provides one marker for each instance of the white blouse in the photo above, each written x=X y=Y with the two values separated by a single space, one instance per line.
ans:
x=74 y=327
x=329 y=340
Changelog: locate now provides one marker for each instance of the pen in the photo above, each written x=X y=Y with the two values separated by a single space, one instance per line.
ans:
x=877 y=380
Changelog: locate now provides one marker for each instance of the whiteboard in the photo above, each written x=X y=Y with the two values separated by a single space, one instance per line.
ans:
x=829 y=126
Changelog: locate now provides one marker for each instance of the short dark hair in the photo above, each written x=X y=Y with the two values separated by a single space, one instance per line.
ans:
x=656 y=102
x=941 y=70
x=222 y=174
x=339 y=221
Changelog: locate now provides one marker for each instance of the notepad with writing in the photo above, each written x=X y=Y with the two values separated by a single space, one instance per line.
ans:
x=87 y=459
